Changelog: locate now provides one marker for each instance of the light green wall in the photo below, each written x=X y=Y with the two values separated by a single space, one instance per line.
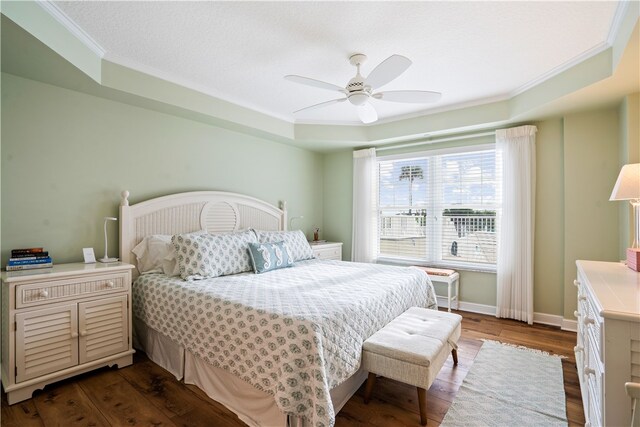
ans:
x=548 y=268
x=67 y=155
x=338 y=202
x=563 y=223
x=590 y=171
x=629 y=127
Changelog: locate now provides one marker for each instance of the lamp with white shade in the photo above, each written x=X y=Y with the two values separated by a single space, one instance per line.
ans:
x=628 y=188
x=106 y=258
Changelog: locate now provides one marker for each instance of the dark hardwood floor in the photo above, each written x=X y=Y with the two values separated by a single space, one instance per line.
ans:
x=144 y=394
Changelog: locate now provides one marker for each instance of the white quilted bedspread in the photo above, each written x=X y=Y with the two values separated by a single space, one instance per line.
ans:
x=294 y=333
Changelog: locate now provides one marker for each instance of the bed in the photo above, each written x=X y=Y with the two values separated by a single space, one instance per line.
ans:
x=280 y=348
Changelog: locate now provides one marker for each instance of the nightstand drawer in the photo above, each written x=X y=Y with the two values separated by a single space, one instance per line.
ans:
x=329 y=253
x=62 y=290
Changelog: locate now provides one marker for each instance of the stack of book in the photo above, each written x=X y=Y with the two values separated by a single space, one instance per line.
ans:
x=30 y=258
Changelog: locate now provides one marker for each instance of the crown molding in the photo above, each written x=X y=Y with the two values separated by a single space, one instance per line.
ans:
x=616 y=22
x=52 y=9
x=413 y=115
x=599 y=48
x=188 y=84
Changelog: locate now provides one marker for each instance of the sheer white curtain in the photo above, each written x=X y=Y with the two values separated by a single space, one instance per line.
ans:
x=364 y=206
x=517 y=149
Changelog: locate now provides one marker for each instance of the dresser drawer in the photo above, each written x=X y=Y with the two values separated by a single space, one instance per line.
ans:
x=61 y=290
x=593 y=375
x=593 y=324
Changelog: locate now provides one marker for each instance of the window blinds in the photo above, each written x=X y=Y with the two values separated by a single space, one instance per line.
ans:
x=440 y=208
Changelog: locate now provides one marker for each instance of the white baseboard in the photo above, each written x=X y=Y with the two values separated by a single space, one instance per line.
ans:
x=547 y=319
x=468 y=306
x=569 y=325
x=542 y=318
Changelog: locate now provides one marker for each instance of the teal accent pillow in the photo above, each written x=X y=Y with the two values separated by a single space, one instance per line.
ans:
x=270 y=256
x=295 y=240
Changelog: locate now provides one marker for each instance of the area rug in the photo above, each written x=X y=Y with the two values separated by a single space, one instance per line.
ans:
x=510 y=386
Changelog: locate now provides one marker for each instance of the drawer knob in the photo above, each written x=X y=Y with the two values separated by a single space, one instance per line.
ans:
x=83 y=333
x=43 y=294
x=578 y=349
x=74 y=335
x=110 y=284
x=589 y=371
x=577 y=314
x=589 y=320
x=576 y=283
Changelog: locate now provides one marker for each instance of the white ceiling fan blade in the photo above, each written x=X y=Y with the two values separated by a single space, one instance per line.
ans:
x=322 y=104
x=387 y=70
x=313 y=82
x=367 y=113
x=409 y=96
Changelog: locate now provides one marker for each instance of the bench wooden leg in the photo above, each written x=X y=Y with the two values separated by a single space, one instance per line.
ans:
x=422 y=401
x=454 y=354
x=371 y=380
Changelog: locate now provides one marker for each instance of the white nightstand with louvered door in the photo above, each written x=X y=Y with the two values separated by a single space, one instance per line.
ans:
x=63 y=321
x=327 y=250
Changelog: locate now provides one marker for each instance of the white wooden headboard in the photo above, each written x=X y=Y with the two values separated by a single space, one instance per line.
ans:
x=214 y=211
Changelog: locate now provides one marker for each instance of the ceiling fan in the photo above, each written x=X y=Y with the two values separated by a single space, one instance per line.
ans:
x=359 y=90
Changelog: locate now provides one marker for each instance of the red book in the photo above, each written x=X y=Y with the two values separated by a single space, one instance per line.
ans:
x=15 y=252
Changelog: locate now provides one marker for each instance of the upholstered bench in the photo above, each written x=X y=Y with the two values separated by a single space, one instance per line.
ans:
x=412 y=348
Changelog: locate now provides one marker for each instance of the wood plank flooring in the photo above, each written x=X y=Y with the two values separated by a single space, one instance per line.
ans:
x=144 y=394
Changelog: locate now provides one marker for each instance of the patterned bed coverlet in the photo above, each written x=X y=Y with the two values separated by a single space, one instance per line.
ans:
x=294 y=333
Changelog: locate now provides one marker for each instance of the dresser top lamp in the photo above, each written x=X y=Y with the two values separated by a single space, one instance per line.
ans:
x=628 y=188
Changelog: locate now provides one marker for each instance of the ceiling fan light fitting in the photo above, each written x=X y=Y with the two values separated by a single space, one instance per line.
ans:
x=357 y=59
x=358 y=98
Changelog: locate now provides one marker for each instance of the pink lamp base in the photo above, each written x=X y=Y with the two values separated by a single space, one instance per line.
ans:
x=633 y=258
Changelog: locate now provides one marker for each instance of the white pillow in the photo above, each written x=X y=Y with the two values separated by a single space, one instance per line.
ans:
x=295 y=240
x=156 y=254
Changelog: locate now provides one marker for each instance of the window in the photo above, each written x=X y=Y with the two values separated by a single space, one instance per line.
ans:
x=440 y=208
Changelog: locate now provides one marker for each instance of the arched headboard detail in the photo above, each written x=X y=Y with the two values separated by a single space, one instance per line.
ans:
x=214 y=211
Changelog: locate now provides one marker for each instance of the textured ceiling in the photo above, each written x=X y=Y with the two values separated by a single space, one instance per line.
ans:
x=472 y=52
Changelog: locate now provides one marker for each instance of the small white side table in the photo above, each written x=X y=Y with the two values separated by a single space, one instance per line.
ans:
x=452 y=279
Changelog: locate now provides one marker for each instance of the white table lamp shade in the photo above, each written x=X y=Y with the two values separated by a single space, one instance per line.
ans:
x=628 y=188
x=628 y=184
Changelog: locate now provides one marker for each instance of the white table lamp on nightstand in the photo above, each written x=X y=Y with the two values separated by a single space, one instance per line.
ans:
x=628 y=188
x=106 y=258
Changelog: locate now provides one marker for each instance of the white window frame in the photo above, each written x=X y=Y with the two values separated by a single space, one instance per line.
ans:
x=431 y=231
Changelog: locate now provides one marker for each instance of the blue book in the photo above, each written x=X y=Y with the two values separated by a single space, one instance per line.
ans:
x=30 y=261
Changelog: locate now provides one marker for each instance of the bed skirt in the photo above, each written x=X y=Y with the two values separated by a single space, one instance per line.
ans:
x=254 y=407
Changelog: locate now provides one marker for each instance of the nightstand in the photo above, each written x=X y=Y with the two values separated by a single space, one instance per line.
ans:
x=62 y=321
x=327 y=250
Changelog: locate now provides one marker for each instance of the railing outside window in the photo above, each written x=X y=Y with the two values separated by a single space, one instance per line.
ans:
x=463 y=238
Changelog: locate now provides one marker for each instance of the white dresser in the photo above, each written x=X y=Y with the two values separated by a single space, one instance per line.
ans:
x=62 y=321
x=608 y=347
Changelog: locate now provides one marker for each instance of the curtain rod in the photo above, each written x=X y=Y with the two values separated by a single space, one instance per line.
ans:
x=451 y=138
